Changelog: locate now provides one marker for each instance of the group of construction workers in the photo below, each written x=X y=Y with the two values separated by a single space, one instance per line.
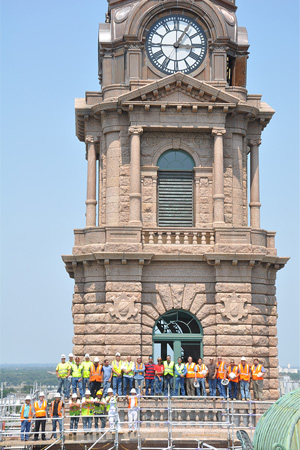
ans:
x=96 y=388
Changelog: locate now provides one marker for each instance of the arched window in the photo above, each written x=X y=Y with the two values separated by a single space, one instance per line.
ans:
x=177 y=333
x=175 y=189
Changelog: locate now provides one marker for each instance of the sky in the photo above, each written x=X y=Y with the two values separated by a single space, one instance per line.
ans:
x=48 y=58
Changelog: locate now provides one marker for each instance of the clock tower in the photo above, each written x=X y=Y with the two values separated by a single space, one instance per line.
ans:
x=173 y=259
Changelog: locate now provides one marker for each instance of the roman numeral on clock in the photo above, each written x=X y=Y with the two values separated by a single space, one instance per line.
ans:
x=194 y=56
x=158 y=55
x=166 y=62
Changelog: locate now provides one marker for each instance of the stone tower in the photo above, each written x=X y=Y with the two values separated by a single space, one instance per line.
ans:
x=169 y=261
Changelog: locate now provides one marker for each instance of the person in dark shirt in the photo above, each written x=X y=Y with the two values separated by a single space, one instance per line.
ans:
x=149 y=376
x=212 y=377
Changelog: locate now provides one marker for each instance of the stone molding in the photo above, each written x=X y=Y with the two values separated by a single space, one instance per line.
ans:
x=135 y=130
x=218 y=131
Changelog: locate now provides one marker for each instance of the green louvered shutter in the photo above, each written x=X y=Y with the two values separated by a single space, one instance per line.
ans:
x=175 y=199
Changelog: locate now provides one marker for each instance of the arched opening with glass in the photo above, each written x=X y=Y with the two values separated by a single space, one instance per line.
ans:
x=177 y=333
x=175 y=189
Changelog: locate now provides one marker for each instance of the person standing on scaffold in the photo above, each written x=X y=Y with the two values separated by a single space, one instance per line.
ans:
x=132 y=401
x=112 y=410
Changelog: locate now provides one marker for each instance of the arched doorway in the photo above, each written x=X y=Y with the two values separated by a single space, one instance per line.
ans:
x=175 y=189
x=177 y=333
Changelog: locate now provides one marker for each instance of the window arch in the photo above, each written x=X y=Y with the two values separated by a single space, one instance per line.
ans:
x=175 y=189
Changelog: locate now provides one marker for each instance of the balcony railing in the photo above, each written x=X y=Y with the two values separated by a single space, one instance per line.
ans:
x=178 y=237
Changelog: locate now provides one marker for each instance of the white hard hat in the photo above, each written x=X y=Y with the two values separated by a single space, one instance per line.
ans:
x=96 y=359
x=225 y=382
x=260 y=374
x=133 y=391
x=196 y=384
x=57 y=395
x=74 y=395
x=71 y=355
x=27 y=397
x=62 y=356
x=232 y=375
x=42 y=394
x=243 y=358
x=118 y=354
x=88 y=392
x=203 y=372
x=109 y=390
x=87 y=355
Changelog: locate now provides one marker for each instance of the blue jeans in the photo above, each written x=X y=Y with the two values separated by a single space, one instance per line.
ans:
x=158 y=385
x=139 y=385
x=106 y=385
x=221 y=388
x=103 y=422
x=212 y=387
x=127 y=381
x=25 y=428
x=68 y=386
x=169 y=382
x=117 y=385
x=85 y=384
x=244 y=388
x=56 y=420
x=75 y=383
x=87 y=423
x=149 y=386
x=179 y=381
x=63 y=386
x=233 y=387
x=74 y=420
x=201 y=391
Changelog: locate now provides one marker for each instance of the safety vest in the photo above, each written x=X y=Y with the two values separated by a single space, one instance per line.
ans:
x=244 y=372
x=88 y=409
x=139 y=367
x=96 y=374
x=99 y=409
x=40 y=412
x=86 y=365
x=190 y=370
x=74 y=409
x=59 y=412
x=129 y=365
x=199 y=370
x=169 y=368
x=63 y=369
x=221 y=370
x=111 y=402
x=133 y=401
x=71 y=364
x=30 y=414
x=179 y=368
x=255 y=372
x=233 y=369
x=77 y=371
x=117 y=366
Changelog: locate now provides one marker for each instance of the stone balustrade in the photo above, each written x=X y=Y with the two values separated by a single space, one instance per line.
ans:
x=178 y=237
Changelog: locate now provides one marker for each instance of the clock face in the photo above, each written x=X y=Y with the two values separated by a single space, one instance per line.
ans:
x=176 y=43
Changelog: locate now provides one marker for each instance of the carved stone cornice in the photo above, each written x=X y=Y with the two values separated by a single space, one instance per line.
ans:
x=135 y=130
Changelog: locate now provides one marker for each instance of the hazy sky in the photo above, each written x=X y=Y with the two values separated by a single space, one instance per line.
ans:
x=48 y=58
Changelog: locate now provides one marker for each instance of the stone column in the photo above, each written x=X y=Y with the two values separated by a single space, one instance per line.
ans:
x=91 y=201
x=113 y=155
x=254 y=186
x=135 y=175
x=218 y=176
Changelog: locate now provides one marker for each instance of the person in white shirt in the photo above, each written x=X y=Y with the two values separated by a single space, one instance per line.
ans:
x=132 y=401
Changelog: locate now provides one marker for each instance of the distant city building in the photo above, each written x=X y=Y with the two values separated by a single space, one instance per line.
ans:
x=287 y=369
x=286 y=385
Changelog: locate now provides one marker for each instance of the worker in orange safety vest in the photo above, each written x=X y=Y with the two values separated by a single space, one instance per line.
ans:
x=258 y=372
x=26 y=416
x=245 y=376
x=190 y=376
x=96 y=377
x=56 y=412
x=40 y=412
x=221 y=375
x=233 y=377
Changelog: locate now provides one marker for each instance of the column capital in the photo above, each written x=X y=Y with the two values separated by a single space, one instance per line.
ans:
x=91 y=139
x=254 y=142
x=135 y=130
x=218 y=131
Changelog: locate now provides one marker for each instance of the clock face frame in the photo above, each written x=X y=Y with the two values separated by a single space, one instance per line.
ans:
x=176 y=43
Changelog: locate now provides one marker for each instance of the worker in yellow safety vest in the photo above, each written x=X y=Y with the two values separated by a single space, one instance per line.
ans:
x=76 y=374
x=63 y=370
x=168 y=376
x=87 y=412
x=86 y=372
x=117 y=374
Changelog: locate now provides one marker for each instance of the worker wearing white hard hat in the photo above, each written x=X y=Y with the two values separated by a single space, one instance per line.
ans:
x=56 y=412
x=112 y=409
x=86 y=372
x=26 y=417
x=63 y=371
x=74 y=410
x=40 y=411
x=95 y=376
x=244 y=372
x=132 y=402
x=258 y=371
x=71 y=362
x=233 y=378
x=87 y=410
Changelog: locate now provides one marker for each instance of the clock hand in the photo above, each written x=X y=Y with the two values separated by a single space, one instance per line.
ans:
x=176 y=45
